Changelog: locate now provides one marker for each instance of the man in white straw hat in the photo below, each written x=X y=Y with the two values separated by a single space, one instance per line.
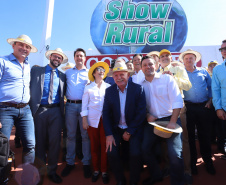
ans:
x=15 y=94
x=124 y=111
x=77 y=79
x=198 y=100
x=164 y=103
x=48 y=87
x=181 y=77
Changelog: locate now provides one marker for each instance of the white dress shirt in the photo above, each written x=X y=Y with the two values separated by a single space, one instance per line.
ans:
x=162 y=95
x=138 y=77
x=92 y=102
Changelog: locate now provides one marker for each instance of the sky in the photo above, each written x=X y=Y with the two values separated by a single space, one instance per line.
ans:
x=71 y=22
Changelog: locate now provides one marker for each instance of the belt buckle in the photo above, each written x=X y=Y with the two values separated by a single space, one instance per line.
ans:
x=20 y=105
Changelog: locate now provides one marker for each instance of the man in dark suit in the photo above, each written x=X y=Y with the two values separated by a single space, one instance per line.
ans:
x=48 y=86
x=124 y=111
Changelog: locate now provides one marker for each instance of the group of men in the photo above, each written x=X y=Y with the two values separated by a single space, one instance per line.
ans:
x=33 y=101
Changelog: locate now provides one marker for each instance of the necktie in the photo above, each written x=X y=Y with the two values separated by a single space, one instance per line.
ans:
x=51 y=87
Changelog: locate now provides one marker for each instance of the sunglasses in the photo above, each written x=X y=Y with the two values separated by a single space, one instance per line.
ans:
x=222 y=49
x=100 y=70
x=57 y=57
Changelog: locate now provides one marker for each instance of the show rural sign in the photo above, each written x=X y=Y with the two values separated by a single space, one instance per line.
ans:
x=135 y=26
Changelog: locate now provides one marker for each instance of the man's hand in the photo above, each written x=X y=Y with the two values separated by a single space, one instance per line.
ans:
x=167 y=72
x=221 y=114
x=126 y=136
x=150 y=118
x=171 y=125
x=0 y=125
x=85 y=124
x=209 y=104
x=109 y=141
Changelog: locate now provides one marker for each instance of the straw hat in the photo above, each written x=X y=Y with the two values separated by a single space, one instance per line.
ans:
x=94 y=66
x=120 y=66
x=68 y=66
x=153 y=53
x=23 y=39
x=190 y=51
x=161 y=130
x=178 y=63
x=59 y=52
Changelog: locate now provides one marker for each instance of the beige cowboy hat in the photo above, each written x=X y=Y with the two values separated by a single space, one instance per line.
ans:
x=190 y=51
x=161 y=130
x=178 y=63
x=120 y=66
x=69 y=65
x=153 y=53
x=57 y=51
x=94 y=66
x=24 y=39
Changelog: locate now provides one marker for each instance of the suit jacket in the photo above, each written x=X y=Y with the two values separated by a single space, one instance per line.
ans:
x=36 y=88
x=135 y=109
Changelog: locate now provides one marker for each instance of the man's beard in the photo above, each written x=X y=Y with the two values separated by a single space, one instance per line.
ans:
x=53 y=64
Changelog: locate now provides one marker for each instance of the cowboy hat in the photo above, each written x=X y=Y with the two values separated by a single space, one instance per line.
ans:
x=190 y=51
x=23 y=39
x=59 y=52
x=120 y=66
x=94 y=66
x=153 y=53
x=161 y=130
x=178 y=63
x=68 y=66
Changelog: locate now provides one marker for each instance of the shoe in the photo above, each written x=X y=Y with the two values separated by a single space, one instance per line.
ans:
x=150 y=181
x=95 y=176
x=188 y=179
x=87 y=171
x=67 y=170
x=210 y=168
x=55 y=178
x=105 y=178
x=194 y=169
x=122 y=182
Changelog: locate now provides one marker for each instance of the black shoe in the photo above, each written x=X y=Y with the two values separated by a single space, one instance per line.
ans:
x=55 y=178
x=210 y=168
x=150 y=181
x=194 y=169
x=122 y=182
x=67 y=170
x=95 y=176
x=87 y=171
x=105 y=178
x=188 y=179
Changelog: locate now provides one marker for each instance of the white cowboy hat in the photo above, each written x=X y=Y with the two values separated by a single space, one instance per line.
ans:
x=94 y=66
x=69 y=65
x=120 y=66
x=161 y=130
x=57 y=51
x=153 y=53
x=24 y=39
x=190 y=51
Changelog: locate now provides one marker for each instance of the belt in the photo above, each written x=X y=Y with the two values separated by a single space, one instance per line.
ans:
x=160 y=119
x=190 y=103
x=50 y=105
x=74 y=101
x=19 y=105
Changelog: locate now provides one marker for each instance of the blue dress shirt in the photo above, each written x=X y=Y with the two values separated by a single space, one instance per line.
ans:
x=46 y=87
x=219 y=86
x=201 y=86
x=14 y=80
x=76 y=82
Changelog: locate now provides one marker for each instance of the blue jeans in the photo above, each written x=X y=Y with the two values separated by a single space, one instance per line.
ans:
x=72 y=117
x=23 y=120
x=174 y=146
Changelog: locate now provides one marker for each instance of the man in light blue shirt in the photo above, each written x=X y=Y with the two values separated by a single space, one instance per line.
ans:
x=15 y=94
x=219 y=95
x=77 y=78
x=198 y=101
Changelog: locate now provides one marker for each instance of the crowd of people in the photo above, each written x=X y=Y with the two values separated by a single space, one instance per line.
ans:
x=119 y=111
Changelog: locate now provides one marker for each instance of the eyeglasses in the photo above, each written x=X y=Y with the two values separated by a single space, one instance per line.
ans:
x=100 y=70
x=222 y=49
x=57 y=57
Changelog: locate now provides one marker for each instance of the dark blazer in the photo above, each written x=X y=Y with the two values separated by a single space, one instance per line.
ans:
x=36 y=88
x=135 y=109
